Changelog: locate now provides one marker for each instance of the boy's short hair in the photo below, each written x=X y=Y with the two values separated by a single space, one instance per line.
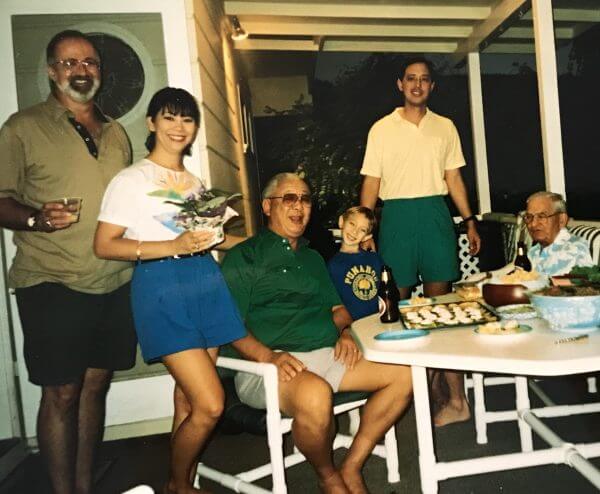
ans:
x=366 y=212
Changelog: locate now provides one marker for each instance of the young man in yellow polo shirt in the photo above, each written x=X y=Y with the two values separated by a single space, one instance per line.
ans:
x=413 y=159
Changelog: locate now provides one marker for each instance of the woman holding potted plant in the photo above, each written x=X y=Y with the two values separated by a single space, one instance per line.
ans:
x=155 y=212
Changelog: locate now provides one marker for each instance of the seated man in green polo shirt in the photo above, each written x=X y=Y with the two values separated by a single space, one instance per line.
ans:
x=296 y=320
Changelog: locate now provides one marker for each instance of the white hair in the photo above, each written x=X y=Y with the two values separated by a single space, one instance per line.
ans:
x=560 y=205
x=274 y=182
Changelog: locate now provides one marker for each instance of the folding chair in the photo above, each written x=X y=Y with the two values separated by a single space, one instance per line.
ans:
x=277 y=426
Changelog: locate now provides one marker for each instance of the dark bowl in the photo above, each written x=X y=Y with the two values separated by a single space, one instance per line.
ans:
x=497 y=294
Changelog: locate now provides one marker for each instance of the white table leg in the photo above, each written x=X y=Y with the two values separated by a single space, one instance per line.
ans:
x=522 y=392
x=427 y=461
x=479 y=407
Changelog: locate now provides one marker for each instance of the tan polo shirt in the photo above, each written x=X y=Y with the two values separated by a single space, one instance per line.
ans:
x=42 y=158
x=410 y=159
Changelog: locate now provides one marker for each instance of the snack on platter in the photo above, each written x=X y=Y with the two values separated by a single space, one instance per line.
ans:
x=446 y=315
x=468 y=292
x=418 y=300
x=506 y=332
x=518 y=276
x=509 y=327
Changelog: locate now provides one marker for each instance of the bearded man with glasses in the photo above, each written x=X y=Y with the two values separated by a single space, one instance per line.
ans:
x=555 y=250
x=56 y=157
x=295 y=320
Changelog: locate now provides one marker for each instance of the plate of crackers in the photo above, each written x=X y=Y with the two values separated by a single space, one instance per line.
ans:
x=447 y=315
x=502 y=332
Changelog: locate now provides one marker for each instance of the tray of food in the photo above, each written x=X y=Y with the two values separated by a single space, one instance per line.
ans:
x=450 y=315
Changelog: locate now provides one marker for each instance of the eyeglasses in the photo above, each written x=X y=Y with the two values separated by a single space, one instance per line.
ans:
x=541 y=217
x=291 y=199
x=73 y=63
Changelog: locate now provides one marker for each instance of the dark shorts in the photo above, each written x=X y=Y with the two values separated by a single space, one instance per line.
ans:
x=180 y=304
x=417 y=238
x=66 y=332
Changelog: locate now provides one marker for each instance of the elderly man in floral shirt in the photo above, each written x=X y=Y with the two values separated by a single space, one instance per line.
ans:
x=556 y=251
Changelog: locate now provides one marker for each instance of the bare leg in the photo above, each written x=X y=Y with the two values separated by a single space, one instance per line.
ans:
x=92 y=409
x=456 y=408
x=308 y=399
x=391 y=386
x=57 y=434
x=196 y=377
x=183 y=409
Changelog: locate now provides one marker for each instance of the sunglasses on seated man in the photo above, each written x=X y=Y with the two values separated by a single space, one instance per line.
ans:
x=291 y=199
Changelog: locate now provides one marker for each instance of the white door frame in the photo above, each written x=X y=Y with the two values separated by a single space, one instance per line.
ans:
x=128 y=401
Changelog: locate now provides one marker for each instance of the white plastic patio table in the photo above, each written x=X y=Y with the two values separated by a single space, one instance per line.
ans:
x=532 y=354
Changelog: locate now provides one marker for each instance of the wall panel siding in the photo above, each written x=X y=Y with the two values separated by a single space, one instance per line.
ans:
x=221 y=148
x=219 y=138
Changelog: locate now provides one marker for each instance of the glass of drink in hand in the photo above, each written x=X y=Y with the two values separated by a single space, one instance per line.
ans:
x=72 y=205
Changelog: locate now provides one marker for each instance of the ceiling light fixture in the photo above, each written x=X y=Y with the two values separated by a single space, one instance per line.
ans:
x=238 y=33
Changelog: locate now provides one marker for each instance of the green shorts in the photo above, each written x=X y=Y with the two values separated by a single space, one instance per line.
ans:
x=417 y=238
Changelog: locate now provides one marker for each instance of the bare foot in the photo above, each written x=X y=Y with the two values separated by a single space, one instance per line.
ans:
x=452 y=413
x=354 y=480
x=334 y=484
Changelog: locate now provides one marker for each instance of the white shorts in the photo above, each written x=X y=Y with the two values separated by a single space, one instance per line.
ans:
x=250 y=387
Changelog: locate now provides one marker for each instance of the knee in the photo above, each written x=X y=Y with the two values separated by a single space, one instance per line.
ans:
x=401 y=378
x=314 y=402
x=64 y=398
x=207 y=411
x=97 y=383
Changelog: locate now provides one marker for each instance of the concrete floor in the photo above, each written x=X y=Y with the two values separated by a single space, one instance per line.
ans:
x=124 y=464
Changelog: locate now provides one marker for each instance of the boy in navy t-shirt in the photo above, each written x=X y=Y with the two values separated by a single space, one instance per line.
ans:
x=354 y=272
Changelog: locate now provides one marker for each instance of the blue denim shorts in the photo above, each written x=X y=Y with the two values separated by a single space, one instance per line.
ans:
x=180 y=304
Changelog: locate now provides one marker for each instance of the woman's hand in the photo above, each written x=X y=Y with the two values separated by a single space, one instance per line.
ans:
x=190 y=242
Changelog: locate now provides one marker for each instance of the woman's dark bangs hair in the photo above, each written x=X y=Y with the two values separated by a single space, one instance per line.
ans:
x=176 y=101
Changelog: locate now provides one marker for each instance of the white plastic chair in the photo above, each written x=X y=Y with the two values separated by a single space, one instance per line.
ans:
x=278 y=426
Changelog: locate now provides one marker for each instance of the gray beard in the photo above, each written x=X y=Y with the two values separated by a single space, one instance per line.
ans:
x=75 y=95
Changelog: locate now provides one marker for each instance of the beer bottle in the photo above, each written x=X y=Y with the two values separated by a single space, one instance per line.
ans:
x=388 y=296
x=522 y=261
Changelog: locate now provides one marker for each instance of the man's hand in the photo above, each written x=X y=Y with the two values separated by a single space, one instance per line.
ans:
x=53 y=216
x=474 y=239
x=346 y=350
x=288 y=366
x=368 y=245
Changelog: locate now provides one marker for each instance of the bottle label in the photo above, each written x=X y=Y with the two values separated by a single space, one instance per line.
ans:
x=382 y=306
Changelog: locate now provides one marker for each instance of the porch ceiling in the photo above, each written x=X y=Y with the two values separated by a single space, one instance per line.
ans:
x=441 y=26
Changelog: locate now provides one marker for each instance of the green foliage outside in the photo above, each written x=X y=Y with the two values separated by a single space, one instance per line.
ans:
x=327 y=142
